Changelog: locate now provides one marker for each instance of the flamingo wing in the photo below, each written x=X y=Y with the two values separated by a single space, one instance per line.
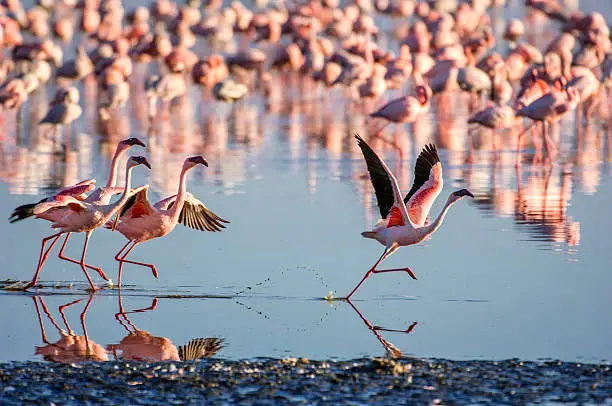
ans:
x=56 y=114
x=427 y=185
x=196 y=215
x=385 y=185
x=200 y=348
x=60 y=202
x=138 y=204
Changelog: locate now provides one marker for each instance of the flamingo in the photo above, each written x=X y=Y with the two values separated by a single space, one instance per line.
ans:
x=138 y=221
x=404 y=110
x=101 y=196
x=404 y=222
x=494 y=118
x=549 y=109
x=82 y=216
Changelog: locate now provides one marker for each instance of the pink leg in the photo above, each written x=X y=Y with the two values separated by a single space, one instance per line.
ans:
x=42 y=258
x=388 y=251
x=83 y=313
x=412 y=275
x=407 y=331
x=74 y=261
x=51 y=319
x=377 y=132
x=61 y=312
x=550 y=145
x=470 y=141
x=82 y=263
x=40 y=321
x=122 y=259
x=118 y=258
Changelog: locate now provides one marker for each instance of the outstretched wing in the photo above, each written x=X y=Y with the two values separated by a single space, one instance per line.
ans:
x=195 y=214
x=386 y=187
x=200 y=348
x=59 y=202
x=427 y=185
x=78 y=188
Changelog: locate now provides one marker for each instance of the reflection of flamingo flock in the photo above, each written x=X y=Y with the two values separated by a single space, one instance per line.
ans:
x=137 y=345
x=321 y=72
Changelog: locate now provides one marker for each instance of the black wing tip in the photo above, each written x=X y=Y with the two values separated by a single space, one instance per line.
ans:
x=429 y=154
x=22 y=212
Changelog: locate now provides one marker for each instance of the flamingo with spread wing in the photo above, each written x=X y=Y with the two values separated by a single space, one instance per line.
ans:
x=101 y=195
x=138 y=221
x=404 y=221
x=82 y=216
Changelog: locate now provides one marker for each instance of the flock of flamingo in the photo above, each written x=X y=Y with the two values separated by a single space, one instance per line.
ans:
x=445 y=48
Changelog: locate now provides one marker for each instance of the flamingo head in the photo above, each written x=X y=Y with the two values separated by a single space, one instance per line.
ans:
x=195 y=160
x=138 y=160
x=423 y=94
x=130 y=142
x=460 y=194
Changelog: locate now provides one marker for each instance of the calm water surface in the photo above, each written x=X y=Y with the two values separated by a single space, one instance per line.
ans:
x=521 y=271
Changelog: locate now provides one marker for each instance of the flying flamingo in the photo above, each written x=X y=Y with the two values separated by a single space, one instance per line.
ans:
x=404 y=222
x=138 y=221
x=101 y=195
x=82 y=216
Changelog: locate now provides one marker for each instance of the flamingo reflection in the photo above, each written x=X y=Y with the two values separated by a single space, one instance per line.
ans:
x=391 y=350
x=71 y=347
x=140 y=345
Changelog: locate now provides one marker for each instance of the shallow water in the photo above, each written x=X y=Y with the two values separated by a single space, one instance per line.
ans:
x=520 y=271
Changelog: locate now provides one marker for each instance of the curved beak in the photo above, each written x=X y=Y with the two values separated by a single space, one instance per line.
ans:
x=198 y=160
x=135 y=141
x=146 y=163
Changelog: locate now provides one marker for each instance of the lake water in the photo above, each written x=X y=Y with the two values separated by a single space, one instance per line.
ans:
x=523 y=270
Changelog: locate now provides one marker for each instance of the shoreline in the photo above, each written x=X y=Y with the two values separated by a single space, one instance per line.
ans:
x=298 y=380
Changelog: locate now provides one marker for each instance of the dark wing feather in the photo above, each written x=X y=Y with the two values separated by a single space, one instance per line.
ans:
x=197 y=216
x=200 y=348
x=425 y=161
x=130 y=202
x=381 y=181
x=24 y=211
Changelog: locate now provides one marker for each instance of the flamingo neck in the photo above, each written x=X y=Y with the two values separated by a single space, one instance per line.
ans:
x=112 y=208
x=181 y=195
x=431 y=228
x=112 y=176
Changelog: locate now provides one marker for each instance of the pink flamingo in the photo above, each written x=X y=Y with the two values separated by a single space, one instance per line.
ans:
x=82 y=216
x=138 y=221
x=404 y=110
x=494 y=118
x=549 y=109
x=101 y=195
x=404 y=222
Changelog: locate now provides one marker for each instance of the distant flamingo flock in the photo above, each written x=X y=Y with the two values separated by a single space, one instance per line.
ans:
x=441 y=48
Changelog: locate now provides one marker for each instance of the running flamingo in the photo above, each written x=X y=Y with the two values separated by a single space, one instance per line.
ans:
x=100 y=196
x=138 y=221
x=82 y=216
x=404 y=222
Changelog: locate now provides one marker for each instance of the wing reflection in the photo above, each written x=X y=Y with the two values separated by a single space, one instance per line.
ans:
x=391 y=350
x=140 y=345
x=71 y=347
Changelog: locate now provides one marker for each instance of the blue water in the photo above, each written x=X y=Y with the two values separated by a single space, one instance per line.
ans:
x=520 y=271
